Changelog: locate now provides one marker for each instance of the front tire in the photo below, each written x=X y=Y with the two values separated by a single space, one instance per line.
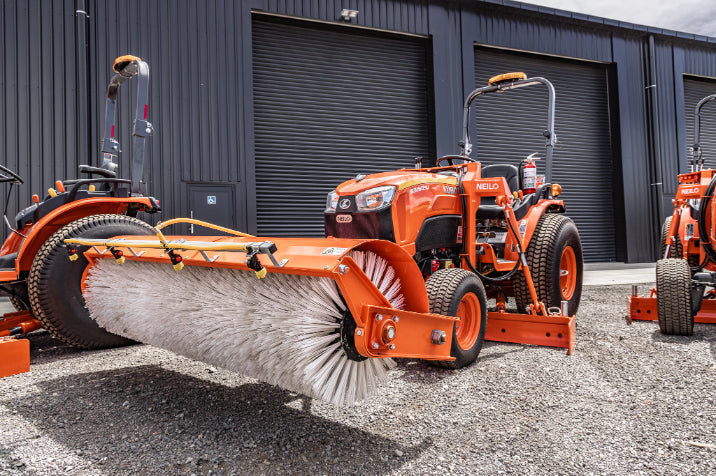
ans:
x=673 y=297
x=554 y=257
x=54 y=283
x=458 y=292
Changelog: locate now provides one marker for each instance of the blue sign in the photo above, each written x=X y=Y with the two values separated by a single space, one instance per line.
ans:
x=211 y=199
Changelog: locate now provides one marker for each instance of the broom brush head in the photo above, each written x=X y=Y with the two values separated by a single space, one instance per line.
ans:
x=284 y=330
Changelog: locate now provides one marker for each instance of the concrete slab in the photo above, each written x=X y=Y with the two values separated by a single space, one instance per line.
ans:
x=604 y=274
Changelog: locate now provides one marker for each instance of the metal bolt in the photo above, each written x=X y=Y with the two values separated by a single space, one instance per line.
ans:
x=378 y=317
x=359 y=332
x=375 y=345
x=392 y=347
x=396 y=318
x=437 y=337
x=342 y=269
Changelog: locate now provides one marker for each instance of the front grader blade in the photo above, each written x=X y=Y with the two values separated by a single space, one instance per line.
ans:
x=551 y=330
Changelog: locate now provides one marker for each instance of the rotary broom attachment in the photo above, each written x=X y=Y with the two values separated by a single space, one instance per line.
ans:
x=324 y=320
x=284 y=330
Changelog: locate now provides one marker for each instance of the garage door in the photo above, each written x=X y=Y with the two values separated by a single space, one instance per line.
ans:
x=510 y=126
x=329 y=104
x=694 y=91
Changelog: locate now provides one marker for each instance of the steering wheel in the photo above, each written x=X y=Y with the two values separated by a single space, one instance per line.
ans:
x=450 y=158
x=7 y=175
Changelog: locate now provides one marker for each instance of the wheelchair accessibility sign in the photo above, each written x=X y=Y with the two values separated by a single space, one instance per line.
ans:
x=211 y=199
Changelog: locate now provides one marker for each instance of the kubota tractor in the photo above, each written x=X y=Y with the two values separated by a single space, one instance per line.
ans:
x=33 y=259
x=686 y=270
x=402 y=274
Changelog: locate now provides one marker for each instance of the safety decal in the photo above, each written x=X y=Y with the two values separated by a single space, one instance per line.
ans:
x=334 y=251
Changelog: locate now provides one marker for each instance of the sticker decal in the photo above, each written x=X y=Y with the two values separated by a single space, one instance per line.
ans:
x=211 y=199
x=419 y=188
x=334 y=251
x=344 y=218
x=451 y=189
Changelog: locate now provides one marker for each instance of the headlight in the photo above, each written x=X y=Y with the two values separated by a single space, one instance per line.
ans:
x=331 y=201
x=375 y=198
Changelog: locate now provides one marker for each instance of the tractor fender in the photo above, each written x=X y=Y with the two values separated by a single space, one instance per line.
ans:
x=533 y=216
x=61 y=216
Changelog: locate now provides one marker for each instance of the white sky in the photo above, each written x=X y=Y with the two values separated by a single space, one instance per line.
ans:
x=690 y=16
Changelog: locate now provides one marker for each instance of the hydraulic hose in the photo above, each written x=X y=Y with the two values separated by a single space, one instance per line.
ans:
x=703 y=232
x=490 y=279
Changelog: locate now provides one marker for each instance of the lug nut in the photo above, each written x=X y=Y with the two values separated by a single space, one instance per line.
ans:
x=375 y=345
x=437 y=337
x=378 y=317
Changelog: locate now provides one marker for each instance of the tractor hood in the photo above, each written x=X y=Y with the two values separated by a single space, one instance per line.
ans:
x=401 y=179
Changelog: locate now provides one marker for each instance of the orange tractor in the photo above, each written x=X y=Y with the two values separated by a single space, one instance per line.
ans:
x=409 y=263
x=686 y=270
x=30 y=272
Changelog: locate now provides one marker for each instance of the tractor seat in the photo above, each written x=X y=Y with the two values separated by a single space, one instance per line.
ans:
x=488 y=208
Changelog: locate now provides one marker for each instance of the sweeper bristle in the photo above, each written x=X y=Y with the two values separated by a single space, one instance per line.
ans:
x=283 y=329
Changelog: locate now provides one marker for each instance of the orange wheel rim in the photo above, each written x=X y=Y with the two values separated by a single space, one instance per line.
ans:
x=468 y=327
x=568 y=273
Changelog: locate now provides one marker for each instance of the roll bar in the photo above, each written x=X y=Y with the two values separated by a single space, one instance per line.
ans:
x=126 y=67
x=697 y=160
x=550 y=137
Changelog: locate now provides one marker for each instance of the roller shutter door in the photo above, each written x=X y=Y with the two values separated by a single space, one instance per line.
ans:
x=694 y=91
x=510 y=126
x=329 y=104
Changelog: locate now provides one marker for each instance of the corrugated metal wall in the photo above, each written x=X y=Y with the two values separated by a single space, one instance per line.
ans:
x=410 y=16
x=201 y=86
x=38 y=95
x=196 y=93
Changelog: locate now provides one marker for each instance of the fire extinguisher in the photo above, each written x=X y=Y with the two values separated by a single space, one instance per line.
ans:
x=529 y=174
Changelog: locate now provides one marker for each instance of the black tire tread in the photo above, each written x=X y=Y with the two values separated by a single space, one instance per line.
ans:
x=541 y=252
x=38 y=283
x=441 y=286
x=673 y=297
x=676 y=251
x=17 y=303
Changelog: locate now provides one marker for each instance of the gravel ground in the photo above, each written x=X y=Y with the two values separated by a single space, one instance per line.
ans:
x=629 y=401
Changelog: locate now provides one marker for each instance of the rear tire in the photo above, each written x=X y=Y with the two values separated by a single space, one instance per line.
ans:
x=18 y=303
x=458 y=292
x=673 y=297
x=675 y=251
x=554 y=257
x=54 y=283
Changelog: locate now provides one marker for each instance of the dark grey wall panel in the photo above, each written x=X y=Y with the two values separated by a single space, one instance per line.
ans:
x=196 y=99
x=328 y=105
x=695 y=90
x=39 y=133
x=410 y=16
x=700 y=61
x=510 y=126
x=487 y=26
x=667 y=152
x=642 y=232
